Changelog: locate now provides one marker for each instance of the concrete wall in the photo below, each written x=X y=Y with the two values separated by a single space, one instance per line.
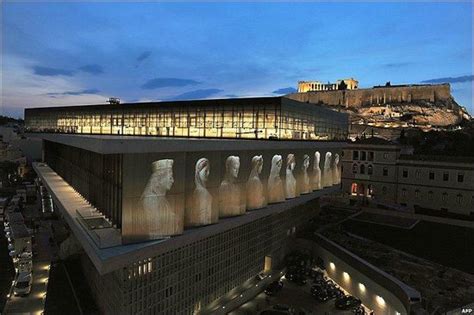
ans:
x=379 y=291
x=374 y=96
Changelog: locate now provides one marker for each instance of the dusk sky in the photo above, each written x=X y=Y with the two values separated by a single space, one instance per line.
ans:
x=83 y=53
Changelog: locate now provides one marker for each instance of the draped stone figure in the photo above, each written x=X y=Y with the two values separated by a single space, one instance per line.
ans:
x=159 y=217
x=316 y=178
x=230 y=203
x=290 y=181
x=200 y=212
x=275 y=184
x=327 y=173
x=336 y=174
x=255 y=193
x=305 y=182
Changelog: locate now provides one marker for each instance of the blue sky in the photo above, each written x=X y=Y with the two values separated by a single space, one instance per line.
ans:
x=82 y=53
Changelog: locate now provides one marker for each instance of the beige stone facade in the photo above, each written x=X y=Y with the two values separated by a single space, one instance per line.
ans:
x=309 y=86
x=355 y=98
x=383 y=174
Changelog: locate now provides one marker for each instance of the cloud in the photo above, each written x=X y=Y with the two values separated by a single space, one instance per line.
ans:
x=167 y=82
x=286 y=90
x=465 y=78
x=51 y=72
x=144 y=55
x=197 y=94
x=92 y=69
x=397 y=65
x=82 y=92
x=231 y=95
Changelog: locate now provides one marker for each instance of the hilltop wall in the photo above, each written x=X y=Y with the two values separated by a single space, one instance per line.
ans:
x=377 y=96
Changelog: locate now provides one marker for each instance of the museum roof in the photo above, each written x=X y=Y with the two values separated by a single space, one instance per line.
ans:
x=437 y=158
x=248 y=101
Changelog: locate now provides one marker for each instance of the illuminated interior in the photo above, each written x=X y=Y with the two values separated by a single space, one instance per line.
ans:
x=254 y=118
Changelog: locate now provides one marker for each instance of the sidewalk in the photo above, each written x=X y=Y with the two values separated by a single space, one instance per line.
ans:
x=241 y=295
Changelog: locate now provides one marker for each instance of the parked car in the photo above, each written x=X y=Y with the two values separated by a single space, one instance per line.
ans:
x=347 y=302
x=23 y=284
x=25 y=266
x=359 y=310
x=282 y=307
x=26 y=255
x=274 y=288
x=321 y=296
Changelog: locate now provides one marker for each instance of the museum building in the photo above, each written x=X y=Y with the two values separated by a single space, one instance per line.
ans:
x=176 y=204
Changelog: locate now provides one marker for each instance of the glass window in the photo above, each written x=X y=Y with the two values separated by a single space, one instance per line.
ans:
x=362 y=169
x=371 y=155
x=444 y=197
x=355 y=155
x=432 y=176
x=385 y=171
x=370 y=190
x=445 y=177
x=405 y=173
x=363 y=155
x=354 y=168
x=370 y=169
x=460 y=177
x=354 y=189
x=418 y=174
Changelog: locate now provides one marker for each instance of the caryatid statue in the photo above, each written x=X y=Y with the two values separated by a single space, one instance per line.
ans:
x=159 y=219
x=305 y=182
x=290 y=181
x=230 y=203
x=275 y=184
x=336 y=174
x=316 y=176
x=327 y=173
x=255 y=193
x=200 y=211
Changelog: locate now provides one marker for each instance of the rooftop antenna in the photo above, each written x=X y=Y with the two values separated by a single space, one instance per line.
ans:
x=113 y=100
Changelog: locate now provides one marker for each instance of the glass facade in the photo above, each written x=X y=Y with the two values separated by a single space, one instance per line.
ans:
x=97 y=177
x=252 y=118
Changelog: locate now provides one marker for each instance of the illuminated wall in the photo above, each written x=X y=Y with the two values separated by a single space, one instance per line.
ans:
x=259 y=118
x=165 y=193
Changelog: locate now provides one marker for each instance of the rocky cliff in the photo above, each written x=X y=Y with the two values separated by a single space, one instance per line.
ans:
x=423 y=106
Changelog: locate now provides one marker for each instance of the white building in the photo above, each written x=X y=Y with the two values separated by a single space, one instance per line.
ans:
x=379 y=171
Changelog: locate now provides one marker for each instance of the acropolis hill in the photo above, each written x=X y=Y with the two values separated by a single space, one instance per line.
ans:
x=393 y=106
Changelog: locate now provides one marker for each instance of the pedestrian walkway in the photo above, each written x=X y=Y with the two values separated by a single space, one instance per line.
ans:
x=242 y=294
